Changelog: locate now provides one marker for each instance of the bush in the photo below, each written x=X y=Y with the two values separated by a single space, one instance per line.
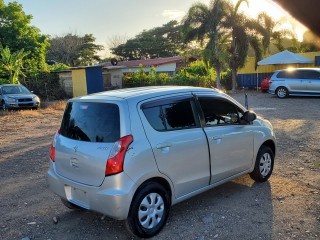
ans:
x=197 y=74
x=226 y=79
x=46 y=85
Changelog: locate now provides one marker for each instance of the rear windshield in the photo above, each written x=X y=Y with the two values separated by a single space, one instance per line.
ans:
x=91 y=122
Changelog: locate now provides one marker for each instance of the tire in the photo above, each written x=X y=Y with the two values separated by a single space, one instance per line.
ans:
x=70 y=205
x=264 y=164
x=3 y=106
x=149 y=210
x=282 y=92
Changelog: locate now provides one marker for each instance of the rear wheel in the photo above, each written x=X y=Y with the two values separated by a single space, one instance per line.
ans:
x=264 y=164
x=282 y=92
x=70 y=205
x=149 y=210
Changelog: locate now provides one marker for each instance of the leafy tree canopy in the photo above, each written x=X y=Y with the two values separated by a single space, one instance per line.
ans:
x=162 y=41
x=16 y=33
x=74 y=50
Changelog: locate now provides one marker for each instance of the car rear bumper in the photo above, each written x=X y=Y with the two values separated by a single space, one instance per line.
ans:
x=112 y=198
x=271 y=91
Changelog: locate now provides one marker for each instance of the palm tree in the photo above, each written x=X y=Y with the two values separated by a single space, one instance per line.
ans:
x=243 y=33
x=203 y=23
x=270 y=33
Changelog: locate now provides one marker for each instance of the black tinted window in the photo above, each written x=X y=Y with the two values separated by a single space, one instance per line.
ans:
x=311 y=74
x=173 y=116
x=92 y=122
x=179 y=115
x=219 y=111
x=288 y=74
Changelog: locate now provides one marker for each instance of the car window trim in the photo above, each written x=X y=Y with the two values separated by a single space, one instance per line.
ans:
x=165 y=101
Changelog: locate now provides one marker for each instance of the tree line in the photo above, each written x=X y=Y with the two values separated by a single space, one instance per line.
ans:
x=218 y=33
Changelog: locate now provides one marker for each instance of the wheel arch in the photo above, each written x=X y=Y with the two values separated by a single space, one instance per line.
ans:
x=162 y=181
x=271 y=144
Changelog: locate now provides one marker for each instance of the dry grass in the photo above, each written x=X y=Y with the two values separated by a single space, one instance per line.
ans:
x=55 y=105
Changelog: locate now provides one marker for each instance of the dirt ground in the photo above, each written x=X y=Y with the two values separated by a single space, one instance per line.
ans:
x=285 y=207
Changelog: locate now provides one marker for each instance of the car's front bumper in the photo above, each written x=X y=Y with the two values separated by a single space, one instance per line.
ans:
x=22 y=105
x=112 y=198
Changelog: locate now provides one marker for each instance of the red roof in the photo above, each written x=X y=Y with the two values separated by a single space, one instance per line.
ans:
x=146 y=63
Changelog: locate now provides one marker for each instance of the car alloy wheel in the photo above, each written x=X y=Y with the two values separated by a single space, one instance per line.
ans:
x=3 y=106
x=282 y=92
x=265 y=164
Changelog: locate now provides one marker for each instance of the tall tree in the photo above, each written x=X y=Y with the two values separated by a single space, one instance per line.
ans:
x=162 y=41
x=271 y=33
x=74 y=50
x=16 y=33
x=203 y=23
x=243 y=33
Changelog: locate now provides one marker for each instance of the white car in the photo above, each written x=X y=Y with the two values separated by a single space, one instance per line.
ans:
x=132 y=153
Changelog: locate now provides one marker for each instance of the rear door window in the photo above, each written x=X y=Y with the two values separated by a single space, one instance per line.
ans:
x=174 y=115
x=288 y=74
x=91 y=122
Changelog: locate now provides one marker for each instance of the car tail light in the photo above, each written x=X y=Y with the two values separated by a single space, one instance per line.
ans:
x=53 y=147
x=116 y=157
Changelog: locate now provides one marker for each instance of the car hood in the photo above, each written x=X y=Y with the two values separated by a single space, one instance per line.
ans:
x=22 y=95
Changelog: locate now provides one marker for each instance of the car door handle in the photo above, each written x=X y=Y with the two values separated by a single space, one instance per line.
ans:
x=215 y=138
x=163 y=145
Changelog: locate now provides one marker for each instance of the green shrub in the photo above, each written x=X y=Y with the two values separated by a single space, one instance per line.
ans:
x=46 y=85
x=226 y=79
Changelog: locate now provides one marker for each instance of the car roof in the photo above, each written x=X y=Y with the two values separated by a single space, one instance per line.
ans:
x=146 y=92
x=293 y=69
x=7 y=85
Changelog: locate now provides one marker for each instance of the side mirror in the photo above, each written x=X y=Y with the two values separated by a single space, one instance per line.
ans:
x=249 y=116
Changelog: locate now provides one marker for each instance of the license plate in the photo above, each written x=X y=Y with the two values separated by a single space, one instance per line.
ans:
x=76 y=196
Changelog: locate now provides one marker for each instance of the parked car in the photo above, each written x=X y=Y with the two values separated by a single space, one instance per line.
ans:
x=132 y=153
x=15 y=96
x=295 y=82
x=265 y=83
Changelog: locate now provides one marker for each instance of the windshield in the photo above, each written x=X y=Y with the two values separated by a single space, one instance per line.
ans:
x=15 y=90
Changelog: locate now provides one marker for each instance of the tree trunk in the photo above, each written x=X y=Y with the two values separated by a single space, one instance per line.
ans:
x=218 y=78
x=234 y=79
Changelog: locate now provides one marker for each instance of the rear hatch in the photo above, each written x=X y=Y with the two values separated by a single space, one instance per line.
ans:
x=87 y=134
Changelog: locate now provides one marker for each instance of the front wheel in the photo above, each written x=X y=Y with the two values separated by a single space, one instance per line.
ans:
x=149 y=211
x=282 y=92
x=264 y=164
x=3 y=106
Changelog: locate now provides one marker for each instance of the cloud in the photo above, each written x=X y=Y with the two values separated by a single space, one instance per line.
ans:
x=173 y=14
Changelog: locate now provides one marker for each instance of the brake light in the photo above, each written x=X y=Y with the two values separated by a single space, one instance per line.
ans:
x=53 y=147
x=116 y=157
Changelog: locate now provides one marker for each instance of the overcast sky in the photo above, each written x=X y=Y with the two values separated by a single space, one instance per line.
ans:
x=106 y=18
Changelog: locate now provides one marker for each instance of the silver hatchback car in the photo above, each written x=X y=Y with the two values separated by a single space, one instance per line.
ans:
x=132 y=153
x=295 y=82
